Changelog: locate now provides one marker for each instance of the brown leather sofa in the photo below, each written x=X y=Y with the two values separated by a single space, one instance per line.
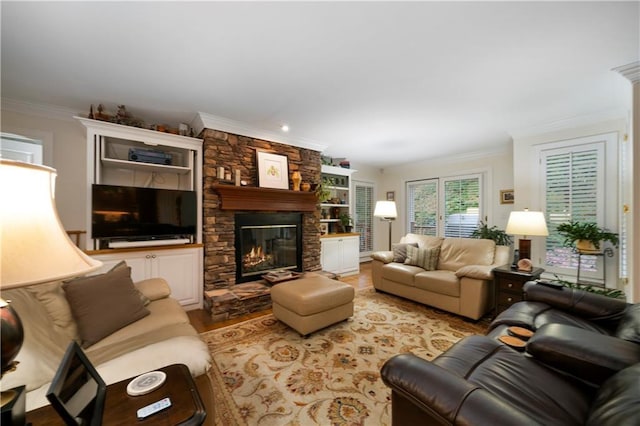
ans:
x=582 y=366
x=461 y=281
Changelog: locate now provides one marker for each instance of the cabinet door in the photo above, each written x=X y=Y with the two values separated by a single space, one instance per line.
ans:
x=138 y=261
x=180 y=269
x=331 y=257
x=350 y=254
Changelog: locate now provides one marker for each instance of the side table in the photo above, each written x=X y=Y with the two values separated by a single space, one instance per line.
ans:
x=120 y=408
x=507 y=286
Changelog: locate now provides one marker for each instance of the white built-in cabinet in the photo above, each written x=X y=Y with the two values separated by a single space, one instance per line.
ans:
x=108 y=162
x=340 y=253
x=181 y=268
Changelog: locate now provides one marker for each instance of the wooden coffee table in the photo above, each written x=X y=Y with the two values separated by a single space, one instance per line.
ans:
x=120 y=408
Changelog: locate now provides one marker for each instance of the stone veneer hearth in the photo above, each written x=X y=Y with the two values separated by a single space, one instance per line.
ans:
x=235 y=152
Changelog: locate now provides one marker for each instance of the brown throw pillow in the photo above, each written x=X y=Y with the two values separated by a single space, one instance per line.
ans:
x=400 y=251
x=122 y=264
x=425 y=258
x=103 y=304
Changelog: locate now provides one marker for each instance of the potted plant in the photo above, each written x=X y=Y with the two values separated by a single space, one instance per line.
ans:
x=345 y=221
x=322 y=193
x=498 y=235
x=585 y=236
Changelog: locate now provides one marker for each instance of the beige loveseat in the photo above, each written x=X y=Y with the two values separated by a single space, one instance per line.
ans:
x=163 y=336
x=460 y=281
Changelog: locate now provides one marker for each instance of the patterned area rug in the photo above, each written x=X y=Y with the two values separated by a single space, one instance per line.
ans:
x=264 y=373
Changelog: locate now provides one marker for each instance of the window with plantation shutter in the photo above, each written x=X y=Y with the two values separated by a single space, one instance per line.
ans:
x=574 y=190
x=363 y=215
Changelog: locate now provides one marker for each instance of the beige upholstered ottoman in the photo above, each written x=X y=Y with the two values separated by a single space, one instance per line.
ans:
x=311 y=303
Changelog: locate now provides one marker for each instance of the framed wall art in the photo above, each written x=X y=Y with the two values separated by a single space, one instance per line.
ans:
x=273 y=170
x=391 y=195
x=506 y=196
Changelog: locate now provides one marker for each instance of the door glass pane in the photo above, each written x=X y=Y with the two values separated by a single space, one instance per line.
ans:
x=571 y=193
x=461 y=206
x=422 y=203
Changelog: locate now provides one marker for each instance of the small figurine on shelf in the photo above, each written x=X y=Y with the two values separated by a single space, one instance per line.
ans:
x=100 y=115
x=91 y=112
x=122 y=115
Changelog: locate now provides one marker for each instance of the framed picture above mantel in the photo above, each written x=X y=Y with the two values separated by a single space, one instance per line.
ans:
x=273 y=170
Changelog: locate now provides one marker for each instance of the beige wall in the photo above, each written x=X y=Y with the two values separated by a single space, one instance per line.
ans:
x=68 y=139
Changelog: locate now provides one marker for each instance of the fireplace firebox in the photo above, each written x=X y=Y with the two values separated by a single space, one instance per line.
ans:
x=267 y=242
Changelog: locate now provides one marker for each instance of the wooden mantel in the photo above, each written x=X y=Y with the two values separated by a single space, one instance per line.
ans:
x=266 y=199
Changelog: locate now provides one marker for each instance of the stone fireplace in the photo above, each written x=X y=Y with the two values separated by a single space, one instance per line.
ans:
x=223 y=202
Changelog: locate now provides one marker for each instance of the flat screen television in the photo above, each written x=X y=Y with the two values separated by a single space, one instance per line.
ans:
x=132 y=213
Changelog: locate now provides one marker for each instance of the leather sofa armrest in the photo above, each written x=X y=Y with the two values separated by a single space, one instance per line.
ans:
x=479 y=272
x=592 y=357
x=594 y=307
x=444 y=396
x=154 y=288
x=383 y=256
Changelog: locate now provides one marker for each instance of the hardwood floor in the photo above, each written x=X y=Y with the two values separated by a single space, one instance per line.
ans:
x=201 y=319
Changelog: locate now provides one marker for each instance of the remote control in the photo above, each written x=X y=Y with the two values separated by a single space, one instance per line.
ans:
x=150 y=409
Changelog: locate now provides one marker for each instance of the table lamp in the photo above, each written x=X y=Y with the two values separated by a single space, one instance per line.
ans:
x=35 y=249
x=526 y=223
x=386 y=210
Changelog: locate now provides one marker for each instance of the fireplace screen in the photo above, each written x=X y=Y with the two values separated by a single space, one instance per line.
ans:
x=264 y=247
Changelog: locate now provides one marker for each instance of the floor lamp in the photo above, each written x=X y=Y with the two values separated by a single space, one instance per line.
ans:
x=386 y=210
x=35 y=250
x=526 y=223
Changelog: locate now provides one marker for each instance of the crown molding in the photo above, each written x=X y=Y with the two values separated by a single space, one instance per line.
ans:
x=208 y=121
x=630 y=71
x=569 y=123
x=40 y=110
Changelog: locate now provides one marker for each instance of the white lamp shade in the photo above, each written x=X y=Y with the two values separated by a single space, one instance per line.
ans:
x=386 y=210
x=527 y=223
x=34 y=246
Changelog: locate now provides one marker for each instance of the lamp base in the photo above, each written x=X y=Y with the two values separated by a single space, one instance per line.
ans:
x=524 y=246
x=13 y=407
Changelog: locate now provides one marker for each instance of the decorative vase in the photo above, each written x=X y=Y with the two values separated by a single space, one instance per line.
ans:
x=305 y=186
x=296 y=178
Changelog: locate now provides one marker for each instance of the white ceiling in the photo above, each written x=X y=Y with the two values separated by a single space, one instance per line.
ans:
x=379 y=83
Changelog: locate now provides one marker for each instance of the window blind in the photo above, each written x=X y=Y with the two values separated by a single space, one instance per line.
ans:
x=364 y=206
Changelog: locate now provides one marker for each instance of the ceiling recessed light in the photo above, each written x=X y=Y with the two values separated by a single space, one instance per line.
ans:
x=284 y=127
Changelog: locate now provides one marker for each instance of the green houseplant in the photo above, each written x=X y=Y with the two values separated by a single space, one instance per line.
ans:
x=575 y=233
x=498 y=235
